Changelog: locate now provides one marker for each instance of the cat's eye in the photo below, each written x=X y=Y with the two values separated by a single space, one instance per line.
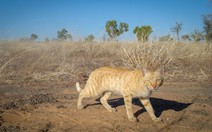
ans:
x=159 y=81
x=148 y=82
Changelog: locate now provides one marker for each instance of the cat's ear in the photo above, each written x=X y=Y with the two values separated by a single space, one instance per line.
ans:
x=144 y=71
x=161 y=70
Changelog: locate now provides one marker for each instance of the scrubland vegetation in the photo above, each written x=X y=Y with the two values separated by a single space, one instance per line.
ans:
x=69 y=60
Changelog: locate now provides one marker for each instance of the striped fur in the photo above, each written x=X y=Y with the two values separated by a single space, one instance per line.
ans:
x=137 y=83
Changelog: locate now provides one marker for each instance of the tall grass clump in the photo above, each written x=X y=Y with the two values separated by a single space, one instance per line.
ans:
x=189 y=62
x=151 y=56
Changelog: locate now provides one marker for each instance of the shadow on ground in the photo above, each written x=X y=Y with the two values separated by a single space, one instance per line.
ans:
x=159 y=105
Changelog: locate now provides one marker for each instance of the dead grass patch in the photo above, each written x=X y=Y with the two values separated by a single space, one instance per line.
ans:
x=53 y=60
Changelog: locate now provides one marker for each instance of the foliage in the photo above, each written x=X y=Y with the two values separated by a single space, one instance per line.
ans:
x=113 y=30
x=177 y=29
x=63 y=34
x=197 y=36
x=166 y=38
x=186 y=37
x=208 y=26
x=90 y=38
x=142 y=32
x=33 y=37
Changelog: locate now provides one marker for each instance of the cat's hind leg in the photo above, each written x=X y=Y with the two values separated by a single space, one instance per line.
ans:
x=104 y=102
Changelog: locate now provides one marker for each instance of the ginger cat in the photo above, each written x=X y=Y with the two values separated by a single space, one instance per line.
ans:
x=137 y=83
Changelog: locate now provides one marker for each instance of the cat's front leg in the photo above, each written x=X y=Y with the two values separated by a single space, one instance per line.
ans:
x=79 y=102
x=149 y=109
x=128 y=105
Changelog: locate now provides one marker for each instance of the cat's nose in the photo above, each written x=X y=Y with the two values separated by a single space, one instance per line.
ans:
x=154 y=85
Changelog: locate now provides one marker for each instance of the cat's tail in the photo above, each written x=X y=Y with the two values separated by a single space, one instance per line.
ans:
x=78 y=87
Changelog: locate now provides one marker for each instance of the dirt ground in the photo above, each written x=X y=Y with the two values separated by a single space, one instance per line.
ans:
x=51 y=106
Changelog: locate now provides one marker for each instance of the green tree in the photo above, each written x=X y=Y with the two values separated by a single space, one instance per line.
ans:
x=33 y=37
x=177 y=30
x=90 y=38
x=208 y=26
x=63 y=34
x=142 y=32
x=186 y=37
x=166 y=38
x=68 y=36
x=197 y=36
x=114 y=30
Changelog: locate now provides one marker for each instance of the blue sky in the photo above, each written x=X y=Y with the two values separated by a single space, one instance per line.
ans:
x=21 y=18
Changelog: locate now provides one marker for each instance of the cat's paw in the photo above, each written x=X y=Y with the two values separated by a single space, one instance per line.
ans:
x=133 y=119
x=80 y=107
x=113 y=110
x=157 y=119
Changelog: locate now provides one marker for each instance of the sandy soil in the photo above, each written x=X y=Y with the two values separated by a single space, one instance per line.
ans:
x=51 y=106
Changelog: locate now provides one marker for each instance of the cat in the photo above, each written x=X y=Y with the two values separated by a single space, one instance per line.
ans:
x=128 y=83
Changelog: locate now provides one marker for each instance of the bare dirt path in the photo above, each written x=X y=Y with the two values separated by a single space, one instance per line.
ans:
x=182 y=106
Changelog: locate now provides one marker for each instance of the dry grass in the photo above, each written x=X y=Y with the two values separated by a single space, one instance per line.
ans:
x=151 y=56
x=51 y=61
x=70 y=60
x=189 y=62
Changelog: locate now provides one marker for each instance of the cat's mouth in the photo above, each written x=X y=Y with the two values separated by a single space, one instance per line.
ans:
x=152 y=88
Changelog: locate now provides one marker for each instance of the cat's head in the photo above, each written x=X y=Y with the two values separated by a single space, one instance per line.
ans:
x=153 y=79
